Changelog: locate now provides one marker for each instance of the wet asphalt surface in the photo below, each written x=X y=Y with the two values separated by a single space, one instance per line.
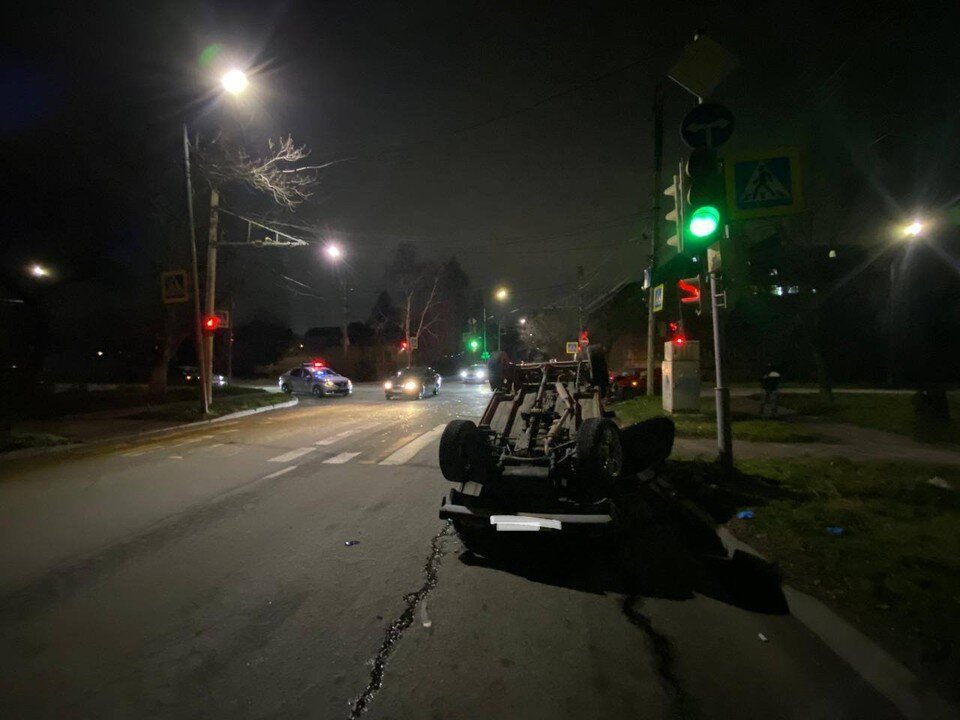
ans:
x=292 y=565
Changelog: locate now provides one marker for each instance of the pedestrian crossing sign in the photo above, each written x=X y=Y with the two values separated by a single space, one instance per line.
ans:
x=764 y=184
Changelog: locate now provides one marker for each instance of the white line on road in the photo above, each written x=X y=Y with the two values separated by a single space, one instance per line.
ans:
x=191 y=440
x=142 y=450
x=278 y=473
x=292 y=455
x=413 y=447
x=341 y=435
x=341 y=458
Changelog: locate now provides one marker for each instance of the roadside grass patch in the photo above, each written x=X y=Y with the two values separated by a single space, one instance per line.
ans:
x=890 y=412
x=225 y=401
x=895 y=569
x=703 y=424
x=21 y=440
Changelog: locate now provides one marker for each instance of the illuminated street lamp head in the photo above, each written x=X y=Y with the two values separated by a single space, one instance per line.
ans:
x=501 y=294
x=913 y=229
x=333 y=251
x=234 y=81
x=39 y=271
x=523 y=321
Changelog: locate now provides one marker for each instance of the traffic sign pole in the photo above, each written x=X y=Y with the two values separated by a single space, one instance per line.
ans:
x=721 y=391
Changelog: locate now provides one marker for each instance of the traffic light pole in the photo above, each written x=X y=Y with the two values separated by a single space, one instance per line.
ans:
x=211 y=290
x=655 y=233
x=722 y=392
x=197 y=322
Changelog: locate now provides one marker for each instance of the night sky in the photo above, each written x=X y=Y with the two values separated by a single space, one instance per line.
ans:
x=515 y=136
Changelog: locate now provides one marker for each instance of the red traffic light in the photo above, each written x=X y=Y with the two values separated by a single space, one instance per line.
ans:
x=679 y=340
x=690 y=289
x=211 y=323
x=403 y=345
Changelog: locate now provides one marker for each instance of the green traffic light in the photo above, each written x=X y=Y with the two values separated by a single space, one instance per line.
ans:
x=474 y=345
x=704 y=221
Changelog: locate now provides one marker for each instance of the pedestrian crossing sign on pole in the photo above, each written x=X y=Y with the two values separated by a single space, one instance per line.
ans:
x=764 y=184
x=174 y=287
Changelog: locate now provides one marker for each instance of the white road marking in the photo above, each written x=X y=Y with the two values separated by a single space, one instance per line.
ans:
x=176 y=457
x=413 y=447
x=341 y=458
x=142 y=450
x=280 y=472
x=192 y=440
x=234 y=430
x=292 y=455
x=341 y=435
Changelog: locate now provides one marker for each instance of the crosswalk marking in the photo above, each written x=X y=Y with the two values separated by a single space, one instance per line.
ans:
x=292 y=455
x=412 y=448
x=341 y=458
x=280 y=472
x=340 y=435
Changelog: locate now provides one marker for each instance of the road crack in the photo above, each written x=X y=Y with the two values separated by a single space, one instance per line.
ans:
x=393 y=634
x=680 y=707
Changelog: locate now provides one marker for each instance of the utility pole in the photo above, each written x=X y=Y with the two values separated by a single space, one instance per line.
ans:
x=197 y=321
x=211 y=287
x=655 y=232
x=579 y=302
x=230 y=344
x=346 y=313
x=722 y=392
x=484 y=329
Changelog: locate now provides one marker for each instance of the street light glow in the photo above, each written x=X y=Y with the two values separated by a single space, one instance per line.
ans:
x=523 y=321
x=333 y=251
x=39 y=271
x=234 y=81
x=913 y=229
x=501 y=294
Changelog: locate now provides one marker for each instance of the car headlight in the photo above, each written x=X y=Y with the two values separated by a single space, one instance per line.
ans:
x=328 y=383
x=388 y=385
x=481 y=373
x=463 y=373
x=410 y=385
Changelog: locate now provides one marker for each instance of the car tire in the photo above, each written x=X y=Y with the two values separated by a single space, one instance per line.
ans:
x=436 y=390
x=388 y=397
x=317 y=392
x=286 y=389
x=597 y=360
x=599 y=457
x=496 y=369
x=460 y=450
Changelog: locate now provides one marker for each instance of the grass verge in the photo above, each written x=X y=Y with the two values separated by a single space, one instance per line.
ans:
x=704 y=425
x=895 y=569
x=22 y=440
x=224 y=403
x=892 y=413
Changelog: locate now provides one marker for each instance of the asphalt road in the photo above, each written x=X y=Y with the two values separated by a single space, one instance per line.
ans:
x=208 y=574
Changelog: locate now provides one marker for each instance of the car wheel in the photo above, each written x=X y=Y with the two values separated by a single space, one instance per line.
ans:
x=599 y=457
x=317 y=391
x=460 y=450
x=420 y=393
x=597 y=360
x=285 y=388
x=388 y=397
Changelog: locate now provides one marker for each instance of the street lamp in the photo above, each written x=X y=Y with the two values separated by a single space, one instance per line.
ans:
x=913 y=229
x=234 y=81
x=523 y=321
x=501 y=294
x=38 y=271
x=333 y=251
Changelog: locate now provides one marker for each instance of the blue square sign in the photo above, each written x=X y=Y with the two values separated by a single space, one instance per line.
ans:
x=764 y=184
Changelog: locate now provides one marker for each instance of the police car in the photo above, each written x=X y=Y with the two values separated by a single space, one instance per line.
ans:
x=316 y=379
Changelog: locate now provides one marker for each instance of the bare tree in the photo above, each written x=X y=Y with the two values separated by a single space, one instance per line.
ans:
x=280 y=173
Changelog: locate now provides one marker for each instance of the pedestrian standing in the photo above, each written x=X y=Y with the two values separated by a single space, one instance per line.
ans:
x=770 y=385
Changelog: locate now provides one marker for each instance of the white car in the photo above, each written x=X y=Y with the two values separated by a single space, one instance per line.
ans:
x=315 y=379
x=474 y=374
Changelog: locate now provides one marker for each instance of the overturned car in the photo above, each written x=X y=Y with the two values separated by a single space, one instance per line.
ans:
x=546 y=454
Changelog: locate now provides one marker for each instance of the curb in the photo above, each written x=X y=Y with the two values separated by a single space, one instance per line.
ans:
x=875 y=665
x=31 y=452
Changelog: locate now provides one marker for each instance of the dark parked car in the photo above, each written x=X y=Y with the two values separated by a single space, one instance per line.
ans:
x=631 y=383
x=190 y=375
x=413 y=382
